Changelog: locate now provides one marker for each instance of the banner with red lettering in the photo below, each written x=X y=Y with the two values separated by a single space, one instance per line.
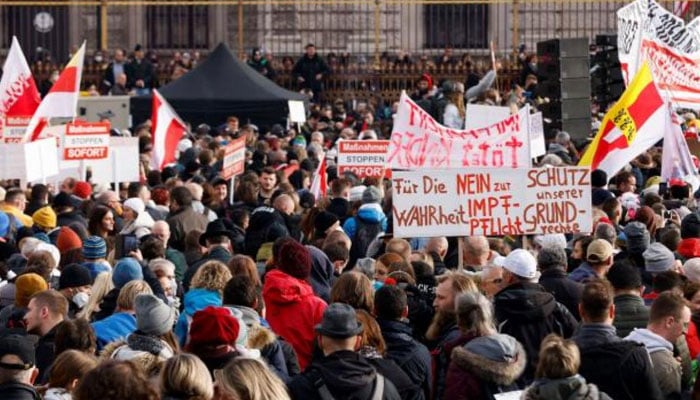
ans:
x=491 y=202
x=362 y=157
x=419 y=141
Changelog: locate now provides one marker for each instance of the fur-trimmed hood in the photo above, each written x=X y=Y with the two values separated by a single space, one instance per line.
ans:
x=259 y=337
x=487 y=364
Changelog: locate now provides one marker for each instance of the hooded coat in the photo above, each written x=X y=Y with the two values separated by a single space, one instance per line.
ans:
x=571 y=388
x=667 y=369
x=322 y=277
x=195 y=300
x=293 y=311
x=528 y=313
x=484 y=366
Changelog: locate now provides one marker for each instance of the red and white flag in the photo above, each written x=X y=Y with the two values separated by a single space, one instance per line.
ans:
x=677 y=162
x=680 y=8
x=19 y=96
x=319 y=184
x=167 y=130
x=62 y=99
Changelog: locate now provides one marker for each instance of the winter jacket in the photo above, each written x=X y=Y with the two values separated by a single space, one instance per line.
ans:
x=195 y=300
x=620 y=368
x=667 y=369
x=451 y=117
x=107 y=306
x=57 y=394
x=23 y=218
x=565 y=291
x=115 y=327
x=477 y=373
x=693 y=339
x=147 y=351
x=266 y=225
x=571 y=388
x=45 y=355
x=583 y=273
x=528 y=313
x=340 y=207
x=347 y=376
x=139 y=227
x=183 y=221
x=217 y=253
x=412 y=356
x=178 y=259
x=18 y=391
x=403 y=384
x=322 y=277
x=308 y=68
x=689 y=248
x=630 y=313
x=70 y=217
x=370 y=214
x=441 y=355
x=293 y=311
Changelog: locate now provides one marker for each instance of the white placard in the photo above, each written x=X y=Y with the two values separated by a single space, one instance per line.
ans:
x=362 y=157
x=537 y=145
x=515 y=395
x=125 y=151
x=297 y=113
x=491 y=202
x=33 y=161
x=479 y=115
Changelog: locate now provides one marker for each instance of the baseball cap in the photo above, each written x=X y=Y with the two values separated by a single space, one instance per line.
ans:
x=598 y=251
x=519 y=262
x=20 y=346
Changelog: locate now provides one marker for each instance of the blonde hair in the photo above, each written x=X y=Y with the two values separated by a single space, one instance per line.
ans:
x=457 y=98
x=250 y=379
x=371 y=333
x=127 y=294
x=461 y=283
x=185 y=376
x=103 y=285
x=212 y=275
x=559 y=358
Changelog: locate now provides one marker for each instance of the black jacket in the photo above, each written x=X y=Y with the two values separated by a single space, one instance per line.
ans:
x=218 y=253
x=528 y=313
x=18 y=391
x=409 y=354
x=340 y=207
x=620 y=368
x=407 y=390
x=142 y=70
x=308 y=68
x=67 y=218
x=45 y=355
x=565 y=291
x=346 y=374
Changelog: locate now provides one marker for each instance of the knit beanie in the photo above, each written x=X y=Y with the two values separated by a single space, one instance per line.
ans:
x=295 y=260
x=74 y=275
x=658 y=258
x=153 y=317
x=135 y=204
x=691 y=268
x=25 y=287
x=213 y=326
x=45 y=217
x=371 y=195
x=51 y=249
x=690 y=226
x=126 y=270
x=83 y=190
x=94 y=247
x=68 y=240
x=638 y=237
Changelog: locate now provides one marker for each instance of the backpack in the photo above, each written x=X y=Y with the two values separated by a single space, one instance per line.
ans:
x=377 y=392
x=365 y=233
x=604 y=363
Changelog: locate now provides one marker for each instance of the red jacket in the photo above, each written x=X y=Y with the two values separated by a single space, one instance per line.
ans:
x=293 y=311
x=689 y=248
x=691 y=337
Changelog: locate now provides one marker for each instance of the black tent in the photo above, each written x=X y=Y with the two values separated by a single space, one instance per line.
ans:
x=219 y=87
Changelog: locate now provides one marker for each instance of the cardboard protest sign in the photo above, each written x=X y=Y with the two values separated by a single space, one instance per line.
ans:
x=647 y=32
x=491 y=202
x=297 y=113
x=12 y=128
x=86 y=141
x=121 y=165
x=362 y=157
x=418 y=141
x=29 y=162
x=234 y=158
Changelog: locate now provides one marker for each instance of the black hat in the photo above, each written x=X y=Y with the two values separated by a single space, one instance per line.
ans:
x=62 y=200
x=218 y=181
x=690 y=226
x=215 y=228
x=323 y=221
x=74 y=275
x=339 y=322
x=20 y=346
x=138 y=47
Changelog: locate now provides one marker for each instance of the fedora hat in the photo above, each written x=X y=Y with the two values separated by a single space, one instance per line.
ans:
x=215 y=228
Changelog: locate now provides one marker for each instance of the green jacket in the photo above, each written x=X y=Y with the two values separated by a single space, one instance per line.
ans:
x=630 y=313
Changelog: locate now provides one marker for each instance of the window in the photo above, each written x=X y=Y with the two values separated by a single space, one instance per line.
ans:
x=185 y=27
x=463 y=26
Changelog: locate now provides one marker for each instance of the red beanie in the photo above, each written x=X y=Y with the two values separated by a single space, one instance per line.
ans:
x=295 y=260
x=213 y=326
x=68 y=240
x=82 y=189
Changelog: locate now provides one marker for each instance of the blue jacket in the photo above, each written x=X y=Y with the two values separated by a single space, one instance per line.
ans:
x=195 y=300
x=115 y=327
x=369 y=213
x=582 y=273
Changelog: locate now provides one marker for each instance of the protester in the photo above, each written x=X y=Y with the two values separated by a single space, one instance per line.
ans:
x=185 y=377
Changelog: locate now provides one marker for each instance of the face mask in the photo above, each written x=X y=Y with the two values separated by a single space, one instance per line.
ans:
x=80 y=299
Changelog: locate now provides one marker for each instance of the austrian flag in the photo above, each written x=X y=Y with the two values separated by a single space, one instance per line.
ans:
x=168 y=129
x=634 y=124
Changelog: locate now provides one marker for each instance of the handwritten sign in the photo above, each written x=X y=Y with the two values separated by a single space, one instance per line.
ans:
x=86 y=141
x=537 y=144
x=491 y=202
x=418 y=141
x=234 y=158
x=362 y=157
x=479 y=115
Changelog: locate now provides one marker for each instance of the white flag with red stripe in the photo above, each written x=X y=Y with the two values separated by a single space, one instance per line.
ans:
x=319 y=184
x=18 y=93
x=62 y=99
x=680 y=8
x=167 y=130
x=677 y=162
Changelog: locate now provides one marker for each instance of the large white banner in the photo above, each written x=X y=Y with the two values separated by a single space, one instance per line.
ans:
x=491 y=202
x=419 y=141
x=649 y=32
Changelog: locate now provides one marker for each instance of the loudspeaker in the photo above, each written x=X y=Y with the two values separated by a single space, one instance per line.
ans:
x=564 y=48
x=567 y=109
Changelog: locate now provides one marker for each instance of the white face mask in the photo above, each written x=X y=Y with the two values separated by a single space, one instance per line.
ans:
x=80 y=299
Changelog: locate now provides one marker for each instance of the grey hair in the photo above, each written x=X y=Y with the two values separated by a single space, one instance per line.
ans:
x=563 y=137
x=366 y=266
x=475 y=314
x=551 y=257
x=606 y=232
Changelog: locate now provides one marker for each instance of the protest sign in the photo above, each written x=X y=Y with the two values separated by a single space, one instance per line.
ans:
x=648 y=32
x=537 y=144
x=29 y=162
x=362 y=157
x=491 y=202
x=296 y=111
x=86 y=141
x=121 y=165
x=234 y=158
x=12 y=128
x=479 y=115
x=418 y=141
